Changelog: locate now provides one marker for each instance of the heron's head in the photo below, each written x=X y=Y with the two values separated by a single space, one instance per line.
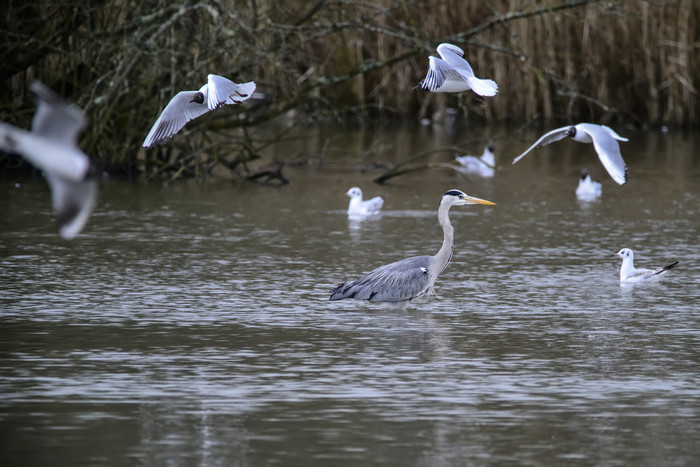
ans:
x=354 y=192
x=625 y=253
x=458 y=198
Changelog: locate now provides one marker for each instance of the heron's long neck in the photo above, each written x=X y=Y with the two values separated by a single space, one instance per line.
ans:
x=448 y=242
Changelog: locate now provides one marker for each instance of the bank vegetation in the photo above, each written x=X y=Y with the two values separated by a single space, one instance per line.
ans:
x=635 y=61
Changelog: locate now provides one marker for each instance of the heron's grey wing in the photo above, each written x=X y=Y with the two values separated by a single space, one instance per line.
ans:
x=395 y=282
x=223 y=91
x=55 y=118
x=73 y=201
x=439 y=72
x=176 y=114
x=552 y=136
x=608 y=150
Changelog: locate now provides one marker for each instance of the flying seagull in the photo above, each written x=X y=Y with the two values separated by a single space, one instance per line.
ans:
x=52 y=147
x=188 y=105
x=604 y=141
x=452 y=73
x=630 y=274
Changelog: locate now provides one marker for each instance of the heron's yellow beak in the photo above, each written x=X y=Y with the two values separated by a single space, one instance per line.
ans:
x=472 y=200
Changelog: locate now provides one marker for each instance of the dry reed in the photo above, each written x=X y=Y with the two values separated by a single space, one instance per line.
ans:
x=626 y=61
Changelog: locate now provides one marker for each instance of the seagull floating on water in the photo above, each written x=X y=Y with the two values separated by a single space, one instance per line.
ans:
x=604 y=140
x=452 y=73
x=52 y=147
x=484 y=166
x=395 y=285
x=188 y=105
x=630 y=274
x=588 y=189
x=358 y=207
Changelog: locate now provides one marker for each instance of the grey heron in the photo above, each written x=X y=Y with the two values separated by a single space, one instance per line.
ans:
x=395 y=285
x=630 y=274
x=188 y=105
x=360 y=207
x=52 y=147
x=605 y=142
x=452 y=73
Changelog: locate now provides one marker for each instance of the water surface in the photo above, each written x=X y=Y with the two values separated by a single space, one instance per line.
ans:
x=189 y=324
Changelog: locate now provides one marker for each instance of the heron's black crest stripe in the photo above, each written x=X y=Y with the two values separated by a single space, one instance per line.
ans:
x=453 y=193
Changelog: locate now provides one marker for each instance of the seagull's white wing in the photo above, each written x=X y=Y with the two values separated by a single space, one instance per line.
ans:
x=613 y=133
x=639 y=274
x=608 y=150
x=552 y=136
x=244 y=91
x=483 y=87
x=62 y=160
x=373 y=205
x=454 y=57
x=439 y=72
x=181 y=109
x=224 y=91
x=56 y=119
x=72 y=203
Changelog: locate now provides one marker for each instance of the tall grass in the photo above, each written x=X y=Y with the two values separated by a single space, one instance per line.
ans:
x=570 y=60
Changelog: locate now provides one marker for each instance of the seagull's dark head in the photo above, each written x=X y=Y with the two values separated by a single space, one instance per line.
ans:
x=571 y=132
x=625 y=253
x=198 y=98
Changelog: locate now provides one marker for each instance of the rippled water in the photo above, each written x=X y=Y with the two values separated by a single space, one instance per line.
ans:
x=190 y=324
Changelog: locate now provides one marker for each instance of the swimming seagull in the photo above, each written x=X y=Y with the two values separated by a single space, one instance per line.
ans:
x=630 y=274
x=603 y=139
x=484 y=166
x=188 y=105
x=588 y=189
x=52 y=147
x=453 y=73
x=358 y=207
x=395 y=285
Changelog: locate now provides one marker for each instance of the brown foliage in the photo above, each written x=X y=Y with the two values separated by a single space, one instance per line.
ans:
x=632 y=61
